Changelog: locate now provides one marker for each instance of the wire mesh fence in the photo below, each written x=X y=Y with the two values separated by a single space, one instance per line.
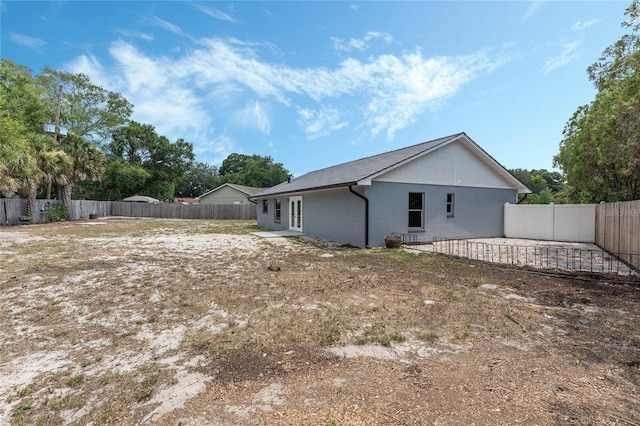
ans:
x=565 y=257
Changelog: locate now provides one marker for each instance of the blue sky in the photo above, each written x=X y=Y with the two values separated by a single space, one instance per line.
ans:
x=314 y=84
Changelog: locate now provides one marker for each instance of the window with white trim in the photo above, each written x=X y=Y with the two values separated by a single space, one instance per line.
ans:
x=265 y=206
x=450 y=199
x=416 y=210
x=277 y=212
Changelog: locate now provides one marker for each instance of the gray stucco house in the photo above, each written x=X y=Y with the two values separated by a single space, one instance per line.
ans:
x=448 y=187
x=228 y=193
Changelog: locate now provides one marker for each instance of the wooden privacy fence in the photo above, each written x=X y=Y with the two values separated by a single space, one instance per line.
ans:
x=11 y=210
x=185 y=211
x=618 y=230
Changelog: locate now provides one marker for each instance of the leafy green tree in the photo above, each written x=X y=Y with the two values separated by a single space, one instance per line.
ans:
x=87 y=110
x=546 y=186
x=600 y=150
x=124 y=179
x=19 y=115
x=22 y=98
x=252 y=170
x=136 y=148
x=197 y=179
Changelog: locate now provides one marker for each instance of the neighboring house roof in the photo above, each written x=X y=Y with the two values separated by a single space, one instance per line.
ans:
x=362 y=171
x=248 y=190
x=141 y=199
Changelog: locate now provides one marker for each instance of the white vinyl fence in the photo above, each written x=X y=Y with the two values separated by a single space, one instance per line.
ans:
x=552 y=222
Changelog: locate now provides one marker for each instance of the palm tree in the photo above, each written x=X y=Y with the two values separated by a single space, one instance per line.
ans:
x=18 y=168
x=54 y=166
x=88 y=163
x=54 y=163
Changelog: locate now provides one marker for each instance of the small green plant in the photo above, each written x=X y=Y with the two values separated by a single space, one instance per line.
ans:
x=55 y=212
x=106 y=378
x=145 y=390
x=376 y=334
x=58 y=404
x=21 y=410
x=430 y=336
x=75 y=380
x=397 y=337
x=25 y=390
x=461 y=335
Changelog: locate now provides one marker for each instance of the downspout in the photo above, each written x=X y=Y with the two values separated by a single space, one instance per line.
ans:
x=366 y=215
x=523 y=199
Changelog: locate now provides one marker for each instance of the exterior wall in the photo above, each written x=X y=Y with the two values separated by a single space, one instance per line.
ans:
x=335 y=215
x=478 y=212
x=339 y=215
x=225 y=195
x=267 y=220
x=453 y=164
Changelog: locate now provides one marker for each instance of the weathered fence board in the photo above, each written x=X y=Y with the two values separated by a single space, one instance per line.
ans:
x=12 y=209
x=618 y=230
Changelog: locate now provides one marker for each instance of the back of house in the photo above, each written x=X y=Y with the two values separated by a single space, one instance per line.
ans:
x=447 y=187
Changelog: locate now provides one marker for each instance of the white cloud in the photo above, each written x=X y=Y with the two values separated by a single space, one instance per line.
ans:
x=214 y=149
x=579 y=26
x=320 y=123
x=254 y=115
x=160 y=99
x=89 y=65
x=360 y=44
x=140 y=35
x=33 y=43
x=185 y=95
x=165 y=25
x=215 y=13
x=567 y=56
x=532 y=9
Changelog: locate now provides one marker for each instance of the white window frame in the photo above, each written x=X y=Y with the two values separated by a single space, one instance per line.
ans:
x=450 y=204
x=414 y=209
x=277 y=211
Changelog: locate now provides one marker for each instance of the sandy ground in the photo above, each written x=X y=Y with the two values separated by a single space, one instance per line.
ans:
x=127 y=328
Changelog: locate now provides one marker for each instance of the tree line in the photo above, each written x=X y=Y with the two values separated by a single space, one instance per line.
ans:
x=63 y=136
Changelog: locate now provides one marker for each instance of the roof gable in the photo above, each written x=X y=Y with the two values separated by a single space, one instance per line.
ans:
x=457 y=163
x=247 y=190
x=365 y=170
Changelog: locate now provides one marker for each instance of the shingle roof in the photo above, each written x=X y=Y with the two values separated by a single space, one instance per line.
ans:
x=360 y=170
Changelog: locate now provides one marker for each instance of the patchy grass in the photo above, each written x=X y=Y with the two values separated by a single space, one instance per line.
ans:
x=169 y=321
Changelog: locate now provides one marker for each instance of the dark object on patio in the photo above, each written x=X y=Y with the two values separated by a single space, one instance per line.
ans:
x=392 y=241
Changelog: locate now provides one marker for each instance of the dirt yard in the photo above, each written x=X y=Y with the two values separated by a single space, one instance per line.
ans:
x=177 y=322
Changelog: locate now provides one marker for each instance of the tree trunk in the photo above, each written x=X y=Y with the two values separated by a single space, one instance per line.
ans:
x=31 y=202
x=49 y=182
x=65 y=197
